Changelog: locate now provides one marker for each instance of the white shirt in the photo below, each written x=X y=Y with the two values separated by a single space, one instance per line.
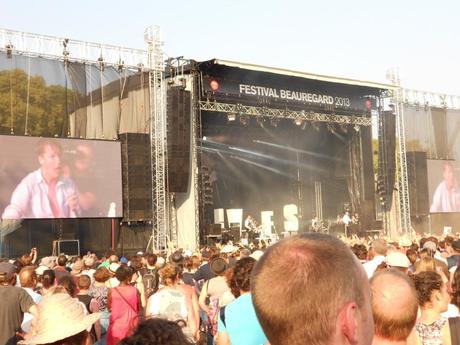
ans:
x=443 y=201
x=372 y=265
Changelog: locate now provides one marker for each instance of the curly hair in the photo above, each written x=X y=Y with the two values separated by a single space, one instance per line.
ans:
x=425 y=284
x=157 y=331
x=101 y=275
x=169 y=274
x=456 y=288
x=240 y=276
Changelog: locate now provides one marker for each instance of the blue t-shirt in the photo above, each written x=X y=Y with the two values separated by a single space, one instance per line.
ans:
x=241 y=323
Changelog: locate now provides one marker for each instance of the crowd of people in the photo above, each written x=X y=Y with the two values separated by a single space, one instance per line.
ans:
x=311 y=288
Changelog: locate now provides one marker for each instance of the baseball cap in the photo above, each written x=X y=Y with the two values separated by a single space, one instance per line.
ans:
x=430 y=245
x=7 y=269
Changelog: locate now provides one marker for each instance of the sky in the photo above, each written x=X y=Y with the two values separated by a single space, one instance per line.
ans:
x=348 y=38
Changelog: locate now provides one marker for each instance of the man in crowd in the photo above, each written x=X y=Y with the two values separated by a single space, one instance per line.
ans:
x=44 y=193
x=60 y=270
x=15 y=301
x=394 y=307
x=28 y=280
x=311 y=288
x=378 y=251
x=454 y=259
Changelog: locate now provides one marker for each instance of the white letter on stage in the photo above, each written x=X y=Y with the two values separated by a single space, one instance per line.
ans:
x=291 y=222
x=267 y=223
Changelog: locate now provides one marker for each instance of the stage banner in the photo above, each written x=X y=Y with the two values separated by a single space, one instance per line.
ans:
x=240 y=86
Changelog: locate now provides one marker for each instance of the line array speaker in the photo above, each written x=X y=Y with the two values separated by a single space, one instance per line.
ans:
x=418 y=183
x=178 y=116
x=136 y=176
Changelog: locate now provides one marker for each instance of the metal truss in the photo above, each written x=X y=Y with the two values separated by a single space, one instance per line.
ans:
x=402 y=177
x=61 y=48
x=241 y=109
x=196 y=149
x=429 y=99
x=160 y=224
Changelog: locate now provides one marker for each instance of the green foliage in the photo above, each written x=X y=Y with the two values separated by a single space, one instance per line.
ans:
x=46 y=104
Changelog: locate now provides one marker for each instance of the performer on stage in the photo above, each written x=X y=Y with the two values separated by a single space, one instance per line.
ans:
x=346 y=220
x=250 y=223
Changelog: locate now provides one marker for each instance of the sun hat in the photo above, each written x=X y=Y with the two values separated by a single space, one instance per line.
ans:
x=218 y=266
x=397 y=259
x=257 y=255
x=60 y=317
x=405 y=242
x=113 y=268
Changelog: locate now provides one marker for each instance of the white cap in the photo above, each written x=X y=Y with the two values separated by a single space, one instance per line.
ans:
x=397 y=259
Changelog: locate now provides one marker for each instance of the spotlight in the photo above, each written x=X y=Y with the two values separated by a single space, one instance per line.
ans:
x=205 y=138
x=9 y=51
x=344 y=128
x=244 y=120
x=298 y=121
x=274 y=122
x=231 y=117
x=356 y=128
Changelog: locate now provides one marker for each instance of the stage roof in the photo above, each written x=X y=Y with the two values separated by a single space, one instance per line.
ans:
x=306 y=75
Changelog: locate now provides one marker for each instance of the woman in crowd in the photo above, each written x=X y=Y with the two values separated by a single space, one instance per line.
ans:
x=47 y=281
x=171 y=303
x=157 y=332
x=211 y=293
x=124 y=304
x=99 y=291
x=238 y=322
x=431 y=328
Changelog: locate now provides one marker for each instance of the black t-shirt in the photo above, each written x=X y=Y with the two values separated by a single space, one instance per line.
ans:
x=453 y=261
x=14 y=302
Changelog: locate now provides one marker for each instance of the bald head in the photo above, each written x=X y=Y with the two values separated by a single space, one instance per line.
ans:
x=28 y=277
x=394 y=305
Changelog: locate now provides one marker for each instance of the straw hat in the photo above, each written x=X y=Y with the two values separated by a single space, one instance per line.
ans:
x=60 y=317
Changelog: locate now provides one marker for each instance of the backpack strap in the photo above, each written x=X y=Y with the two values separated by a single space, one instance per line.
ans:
x=454 y=325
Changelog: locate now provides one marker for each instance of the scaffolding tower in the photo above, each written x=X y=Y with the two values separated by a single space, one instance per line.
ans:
x=158 y=150
x=403 y=206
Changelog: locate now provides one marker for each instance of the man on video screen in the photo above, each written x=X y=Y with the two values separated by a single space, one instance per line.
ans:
x=446 y=197
x=45 y=192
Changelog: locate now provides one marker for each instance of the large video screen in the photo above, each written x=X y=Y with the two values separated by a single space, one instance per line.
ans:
x=444 y=185
x=59 y=178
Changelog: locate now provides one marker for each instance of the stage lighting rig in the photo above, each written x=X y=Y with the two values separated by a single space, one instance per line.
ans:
x=121 y=65
x=260 y=121
x=298 y=121
x=244 y=120
x=101 y=63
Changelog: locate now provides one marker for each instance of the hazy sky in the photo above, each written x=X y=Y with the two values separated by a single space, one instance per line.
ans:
x=355 y=38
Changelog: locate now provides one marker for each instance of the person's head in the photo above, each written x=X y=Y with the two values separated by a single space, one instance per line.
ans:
x=196 y=262
x=62 y=260
x=411 y=255
x=68 y=283
x=218 y=266
x=84 y=282
x=88 y=263
x=432 y=291
x=28 y=277
x=455 y=245
x=169 y=274
x=49 y=156
x=448 y=175
x=239 y=279
x=61 y=321
x=7 y=273
x=151 y=260
x=101 y=275
x=25 y=260
x=312 y=287
x=398 y=260
x=456 y=288
x=113 y=259
x=394 y=305
x=157 y=331
x=360 y=251
x=48 y=279
x=124 y=274
x=379 y=247
x=426 y=264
